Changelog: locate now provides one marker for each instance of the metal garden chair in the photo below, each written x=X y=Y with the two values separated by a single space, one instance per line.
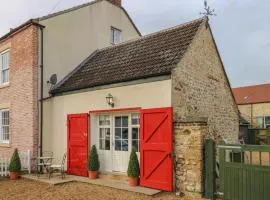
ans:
x=44 y=162
x=60 y=167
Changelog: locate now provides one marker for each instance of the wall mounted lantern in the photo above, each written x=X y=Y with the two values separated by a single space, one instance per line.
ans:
x=110 y=100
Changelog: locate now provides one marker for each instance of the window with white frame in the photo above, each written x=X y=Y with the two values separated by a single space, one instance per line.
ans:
x=4 y=67
x=115 y=35
x=263 y=122
x=135 y=130
x=104 y=132
x=121 y=133
x=4 y=126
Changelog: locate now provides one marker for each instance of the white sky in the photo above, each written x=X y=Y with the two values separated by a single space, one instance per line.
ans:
x=241 y=27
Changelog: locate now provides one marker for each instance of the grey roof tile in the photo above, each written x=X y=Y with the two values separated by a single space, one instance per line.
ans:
x=152 y=55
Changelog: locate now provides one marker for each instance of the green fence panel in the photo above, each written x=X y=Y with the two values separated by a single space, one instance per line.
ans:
x=244 y=180
x=252 y=136
x=221 y=166
x=210 y=174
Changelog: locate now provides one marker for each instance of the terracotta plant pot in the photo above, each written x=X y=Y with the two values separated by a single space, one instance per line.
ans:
x=93 y=174
x=133 y=181
x=14 y=175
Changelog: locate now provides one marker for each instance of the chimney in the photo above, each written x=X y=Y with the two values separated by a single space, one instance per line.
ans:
x=116 y=2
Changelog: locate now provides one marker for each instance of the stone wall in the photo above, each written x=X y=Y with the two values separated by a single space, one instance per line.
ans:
x=201 y=91
x=189 y=142
x=20 y=95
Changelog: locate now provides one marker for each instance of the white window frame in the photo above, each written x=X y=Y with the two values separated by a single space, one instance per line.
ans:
x=115 y=39
x=104 y=127
x=264 y=125
x=121 y=127
x=112 y=127
x=135 y=126
x=2 y=139
x=6 y=69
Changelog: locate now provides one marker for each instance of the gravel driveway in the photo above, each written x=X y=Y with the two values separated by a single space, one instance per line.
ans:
x=25 y=190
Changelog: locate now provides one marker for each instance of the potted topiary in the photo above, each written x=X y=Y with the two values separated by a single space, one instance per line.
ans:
x=14 y=166
x=93 y=163
x=133 y=169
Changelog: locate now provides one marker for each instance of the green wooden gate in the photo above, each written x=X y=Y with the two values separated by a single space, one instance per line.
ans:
x=244 y=172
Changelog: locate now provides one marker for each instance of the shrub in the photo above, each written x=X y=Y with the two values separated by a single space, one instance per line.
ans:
x=133 y=165
x=268 y=133
x=15 y=162
x=93 y=161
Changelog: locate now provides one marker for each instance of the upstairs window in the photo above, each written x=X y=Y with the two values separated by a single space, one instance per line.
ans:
x=4 y=127
x=115 y=35
x=4 y=67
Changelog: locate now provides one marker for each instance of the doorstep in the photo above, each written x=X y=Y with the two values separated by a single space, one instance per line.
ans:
x=57 y=180
x=116 y=182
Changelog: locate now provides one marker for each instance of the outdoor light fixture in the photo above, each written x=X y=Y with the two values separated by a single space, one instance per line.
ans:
x=110 y=101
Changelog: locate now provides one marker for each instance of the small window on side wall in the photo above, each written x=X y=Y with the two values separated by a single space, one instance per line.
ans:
x=115 y=35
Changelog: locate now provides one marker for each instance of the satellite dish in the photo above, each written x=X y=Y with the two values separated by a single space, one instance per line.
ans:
x=53 y=79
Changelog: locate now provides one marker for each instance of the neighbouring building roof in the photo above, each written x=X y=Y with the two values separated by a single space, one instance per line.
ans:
x=19 y=28
x=252 y=94
x=82 y=6
x=36 y=21
x=149 y=56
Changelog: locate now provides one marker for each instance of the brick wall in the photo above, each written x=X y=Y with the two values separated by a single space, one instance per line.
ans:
x=200 y=91
x=21 y=94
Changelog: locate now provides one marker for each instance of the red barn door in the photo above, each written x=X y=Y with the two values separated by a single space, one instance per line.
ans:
x=77 y=144
x=156 y=149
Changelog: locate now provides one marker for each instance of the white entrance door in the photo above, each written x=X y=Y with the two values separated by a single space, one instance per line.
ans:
x=117 y=135
x=121 y=143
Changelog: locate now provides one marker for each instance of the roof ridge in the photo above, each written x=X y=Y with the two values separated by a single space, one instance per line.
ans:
x=155 y=33
x=263 y=84
x=67 y=10
x=82 y=6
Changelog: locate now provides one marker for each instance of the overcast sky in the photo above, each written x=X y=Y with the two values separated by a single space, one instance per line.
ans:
x=241 y=27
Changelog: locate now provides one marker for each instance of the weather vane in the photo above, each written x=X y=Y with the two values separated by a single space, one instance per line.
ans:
x=207 y=10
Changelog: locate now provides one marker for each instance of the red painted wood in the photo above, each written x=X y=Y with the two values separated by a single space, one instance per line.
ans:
x=77 y=153
x=156 y=162
x=116 y=110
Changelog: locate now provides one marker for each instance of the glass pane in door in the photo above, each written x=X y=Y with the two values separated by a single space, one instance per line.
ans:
x=121 y=133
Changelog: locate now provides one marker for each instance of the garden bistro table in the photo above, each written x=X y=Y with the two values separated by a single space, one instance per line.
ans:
x=43 y=162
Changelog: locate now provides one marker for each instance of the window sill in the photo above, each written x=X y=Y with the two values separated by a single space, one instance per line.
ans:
x=4 y=85
x=6 y=145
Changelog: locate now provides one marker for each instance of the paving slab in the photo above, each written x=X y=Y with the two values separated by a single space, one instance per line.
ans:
x=117 y=184
x=51 y=181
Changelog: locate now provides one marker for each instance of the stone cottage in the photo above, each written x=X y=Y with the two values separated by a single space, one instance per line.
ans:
x=162 y=94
